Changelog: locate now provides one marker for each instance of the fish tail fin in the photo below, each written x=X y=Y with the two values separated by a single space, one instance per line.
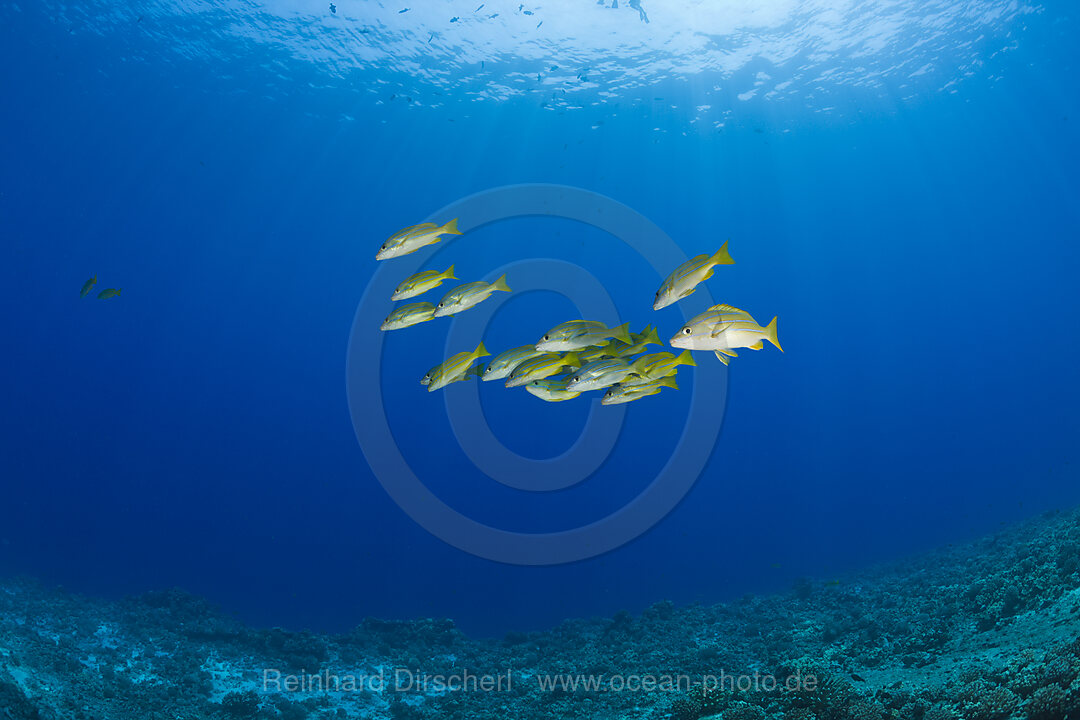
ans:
x=451 y=228
x=637 y=365
x=449 y=273
x=652 y=337
x=500 y=284
x=685 y=358
x=622 y=333
x=572 y=360
x=669 y=381
x=722 y=256
x=770 y=335
x=722 y=357
x=480 y=351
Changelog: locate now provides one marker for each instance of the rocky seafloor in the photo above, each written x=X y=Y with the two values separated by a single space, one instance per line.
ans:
x=989 y=630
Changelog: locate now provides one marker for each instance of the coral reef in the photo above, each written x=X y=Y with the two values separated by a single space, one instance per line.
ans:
x=985 y=631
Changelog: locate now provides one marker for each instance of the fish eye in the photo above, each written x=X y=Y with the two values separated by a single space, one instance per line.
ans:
x=440 y=304
x=577 y=378
x=545 y=337
x=687 y=331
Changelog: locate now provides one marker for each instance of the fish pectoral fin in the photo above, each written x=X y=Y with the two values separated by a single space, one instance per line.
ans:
x=720 y=328
x=688 y=293
x=729 y=353
x=722 y=357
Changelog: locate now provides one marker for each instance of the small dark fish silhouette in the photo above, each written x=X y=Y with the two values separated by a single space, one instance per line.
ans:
x=479 y=8
x=88 y=286
x=404 y=11
x=528 y=12
x=539 y=23
x=554 y=68
x=857 y=678
x=333 y=8
x=453 y=19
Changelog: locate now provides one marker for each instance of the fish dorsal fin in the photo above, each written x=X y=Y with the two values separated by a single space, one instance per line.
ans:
x=730 y=310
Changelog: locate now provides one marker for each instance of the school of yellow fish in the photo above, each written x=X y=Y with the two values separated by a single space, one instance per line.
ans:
x=576 y=356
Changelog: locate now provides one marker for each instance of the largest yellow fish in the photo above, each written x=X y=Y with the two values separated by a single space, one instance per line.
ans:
x=722 y=329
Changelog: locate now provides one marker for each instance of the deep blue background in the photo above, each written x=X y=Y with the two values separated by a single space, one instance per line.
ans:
x=921 y=254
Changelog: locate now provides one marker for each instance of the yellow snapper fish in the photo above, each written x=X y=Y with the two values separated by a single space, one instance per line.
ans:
x=620 y=393
x=650 y=368
x=88 y=286
x=543 y=366
x=415 y=237
x=406 y=315
x=580 y=334
x=599 y=374
x=455 y=368
x=682 y=282
x=421 y=282
x=504 y=363
x=109 y=293
x=465 y=296
x=722 y=329
x=551 y=390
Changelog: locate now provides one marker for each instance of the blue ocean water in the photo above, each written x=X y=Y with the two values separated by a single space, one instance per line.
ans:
x=900 y=189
